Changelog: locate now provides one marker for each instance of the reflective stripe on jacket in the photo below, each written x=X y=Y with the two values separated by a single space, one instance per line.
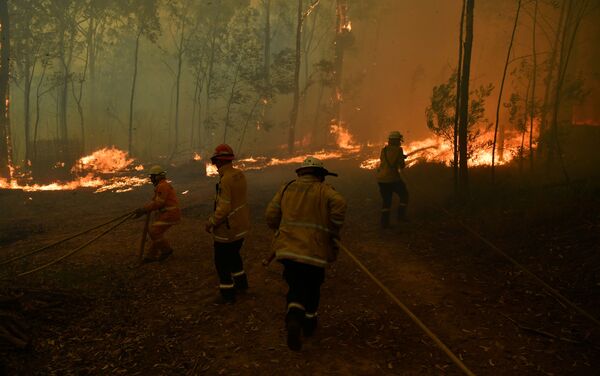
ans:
x=391 y=160
x=307 y=215
x=165 y=203
x=231 y=218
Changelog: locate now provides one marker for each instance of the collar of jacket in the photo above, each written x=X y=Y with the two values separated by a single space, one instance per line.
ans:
x=161 y=181
x=308 y=179
x=224 y=168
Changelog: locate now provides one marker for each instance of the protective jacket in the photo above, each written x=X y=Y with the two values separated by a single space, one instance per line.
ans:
x=165 y=203
x=231 y=218
x=307 y=215
x=391 y=160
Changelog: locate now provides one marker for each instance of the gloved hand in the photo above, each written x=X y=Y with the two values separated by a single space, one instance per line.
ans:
x=139 y=212
x=208 y=227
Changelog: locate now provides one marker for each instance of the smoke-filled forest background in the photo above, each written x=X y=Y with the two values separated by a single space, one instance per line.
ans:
x=173 y=77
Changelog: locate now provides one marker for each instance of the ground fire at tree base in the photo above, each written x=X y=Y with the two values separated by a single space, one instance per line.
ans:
x=277 y=187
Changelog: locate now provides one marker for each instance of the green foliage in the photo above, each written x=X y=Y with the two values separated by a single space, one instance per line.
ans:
x=440 y=113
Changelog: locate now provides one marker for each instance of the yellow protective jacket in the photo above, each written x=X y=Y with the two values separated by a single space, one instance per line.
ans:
x=165 y=203
x=391 y=160
x=231 y=218
x=306 y=215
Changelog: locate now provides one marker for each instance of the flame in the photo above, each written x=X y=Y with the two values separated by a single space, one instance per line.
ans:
x=344 y=138
x=197 y=157
x=90 y=172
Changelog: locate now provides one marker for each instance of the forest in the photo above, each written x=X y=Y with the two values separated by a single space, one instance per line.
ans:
x=498 y=108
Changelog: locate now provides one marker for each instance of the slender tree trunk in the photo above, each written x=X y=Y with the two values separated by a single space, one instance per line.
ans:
x=248 y=118
x=29 y=72
x=132 y=97
x=177 y=87
x=5 y=139
x=501 y=147
x=209 y=80
x=341 y=30
x=230 y=100
x=524 y=130
x=458 y=88
x=463 y=126
x=38 y=97
x=267 y=51
x=296 y=103
x=533 y=79
x=91 y=45
x=543 y=137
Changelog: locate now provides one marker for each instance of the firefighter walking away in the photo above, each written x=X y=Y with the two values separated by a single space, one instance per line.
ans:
x=307 y=215
x=167 y=213
x=229 y=224
x=392 y=160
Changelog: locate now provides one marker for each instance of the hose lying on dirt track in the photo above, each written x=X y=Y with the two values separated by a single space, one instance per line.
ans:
x=455 y=359
x=552 y=291
x=56 y=260
x=8 y=261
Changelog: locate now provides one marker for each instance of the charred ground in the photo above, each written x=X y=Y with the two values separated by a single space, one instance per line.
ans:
x=94 y=315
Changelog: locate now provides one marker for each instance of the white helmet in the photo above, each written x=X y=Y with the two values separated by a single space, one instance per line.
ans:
x=157 y=170
x=315 y=163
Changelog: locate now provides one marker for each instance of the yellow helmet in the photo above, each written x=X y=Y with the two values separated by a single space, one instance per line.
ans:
x=157 y=170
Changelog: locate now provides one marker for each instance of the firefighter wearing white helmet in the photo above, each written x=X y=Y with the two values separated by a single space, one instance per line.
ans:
x=166 y=206
x=392 y=160
x=306 y=215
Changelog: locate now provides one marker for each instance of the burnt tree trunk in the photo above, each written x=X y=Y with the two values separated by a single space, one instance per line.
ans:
x=463 y=126
x=296 y=102
x=533 y=83
x=132 y=97
x=5 y=139
x=496 y=125
x=458 y=87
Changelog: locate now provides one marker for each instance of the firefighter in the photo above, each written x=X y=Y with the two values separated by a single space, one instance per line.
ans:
x=229 y=224
x=306 y=215
x=392 y=159
x=166 y=206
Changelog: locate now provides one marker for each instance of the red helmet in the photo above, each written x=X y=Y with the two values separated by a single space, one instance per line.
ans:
x=224 y=152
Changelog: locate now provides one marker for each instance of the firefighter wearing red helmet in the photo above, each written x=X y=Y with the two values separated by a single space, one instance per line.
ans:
x=229 y=224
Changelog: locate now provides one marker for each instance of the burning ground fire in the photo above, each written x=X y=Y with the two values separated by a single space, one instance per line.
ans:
x=111 y=169
x=106 y=170
x=432 y=149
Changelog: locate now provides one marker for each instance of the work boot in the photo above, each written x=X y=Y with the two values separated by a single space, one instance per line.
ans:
x=385 y=219
x=165 y=253
x=152 y=254
x=240 y=280
x=309 y=325
x=293 y=325
x=227 y=296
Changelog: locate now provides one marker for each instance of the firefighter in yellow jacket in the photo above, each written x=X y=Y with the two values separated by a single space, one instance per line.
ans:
x=388 y=177
x=229 y=224
x=166 y=206
x=307 y=215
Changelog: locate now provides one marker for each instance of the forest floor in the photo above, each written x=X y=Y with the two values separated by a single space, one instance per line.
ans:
x=94 y=314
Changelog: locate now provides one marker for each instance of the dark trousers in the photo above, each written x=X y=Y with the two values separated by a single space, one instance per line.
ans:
x=304 y=283
x=230 y=268
x=387 y=190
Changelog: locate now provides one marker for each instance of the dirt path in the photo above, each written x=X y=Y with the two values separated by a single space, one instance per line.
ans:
x=160 y=319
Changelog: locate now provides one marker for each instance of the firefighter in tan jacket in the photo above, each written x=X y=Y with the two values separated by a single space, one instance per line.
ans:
x=392 y=160
x=307 y=215
x=229 y=224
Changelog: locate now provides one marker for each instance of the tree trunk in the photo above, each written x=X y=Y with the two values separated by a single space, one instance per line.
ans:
x=501 y=146
x=29 y=72
x=267 y=51
x=463 y=126
x=543 y=137
x=38 y=97
x=296 y=103
x=177 y=88
x=230 y=100
x=341 y=30
x=533 y=83
x=458 y=88
x=209 y=79
x=5 y=139
x=133 y=83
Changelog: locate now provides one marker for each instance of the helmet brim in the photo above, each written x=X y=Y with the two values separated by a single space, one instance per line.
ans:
x=325 y=171
x=222 y=157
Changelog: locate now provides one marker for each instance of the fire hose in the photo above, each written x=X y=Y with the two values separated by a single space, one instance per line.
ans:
x=121 y=219
x=455 y=359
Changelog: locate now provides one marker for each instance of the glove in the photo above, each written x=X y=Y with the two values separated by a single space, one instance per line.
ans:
x=139 y=212
x=208 y=227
